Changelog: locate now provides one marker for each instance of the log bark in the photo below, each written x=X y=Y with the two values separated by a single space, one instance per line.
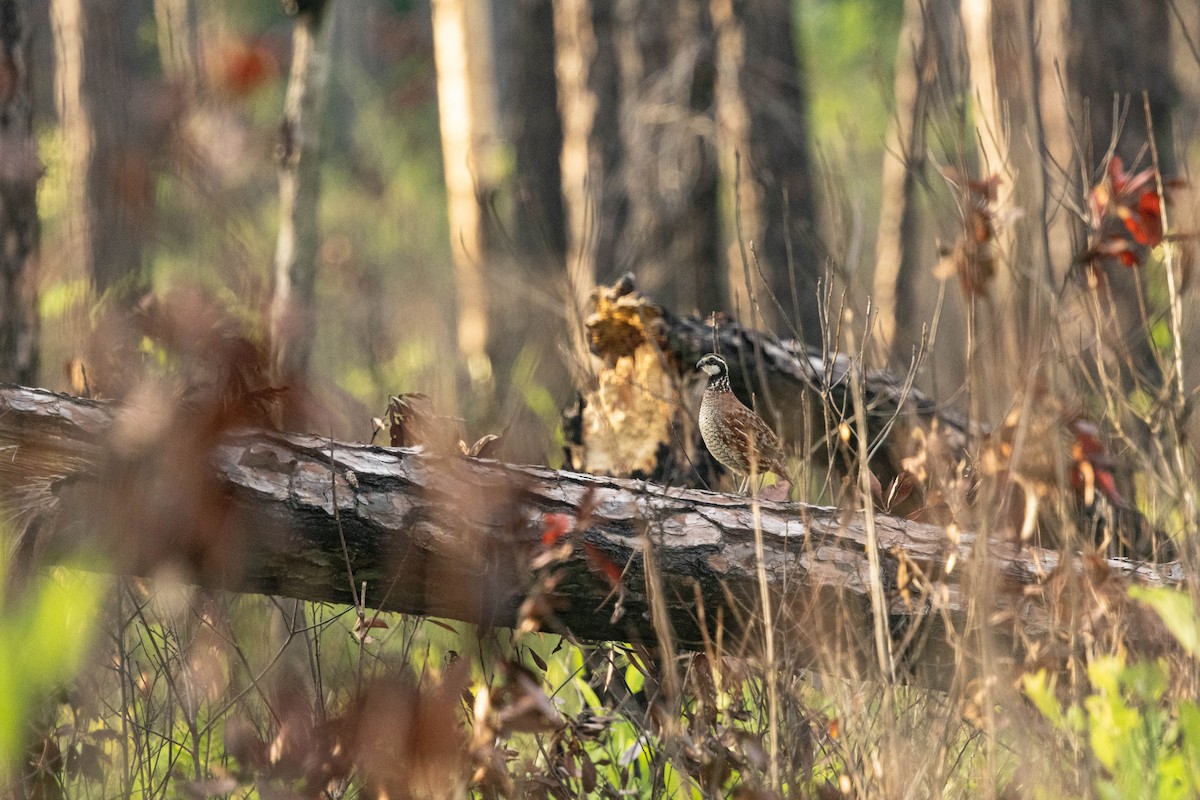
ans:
x=478 y=540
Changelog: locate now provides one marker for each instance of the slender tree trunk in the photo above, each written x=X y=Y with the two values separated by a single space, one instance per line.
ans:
x=762 y=107
x=292 y=314
x=1008 y=132
x=1063 y=226
x=179 y=43
x=19 y=227
x=1001 y=47
x=924 y=78
x=665 y=53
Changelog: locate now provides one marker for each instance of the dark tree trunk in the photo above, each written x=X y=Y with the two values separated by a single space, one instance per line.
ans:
x=531 y=271
x=763 y=118
x=111 y=188
x=1120 y=49
x=592 y=156
x=666 y=52
x=1120 y=57
x=19 y=226
x=539 y=224
x=640 y=167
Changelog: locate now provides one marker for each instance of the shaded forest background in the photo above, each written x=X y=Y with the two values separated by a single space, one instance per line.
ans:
x=577 y=143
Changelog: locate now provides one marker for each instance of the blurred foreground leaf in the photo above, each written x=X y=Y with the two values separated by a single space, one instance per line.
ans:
x=1177 y=612
x=43 y=635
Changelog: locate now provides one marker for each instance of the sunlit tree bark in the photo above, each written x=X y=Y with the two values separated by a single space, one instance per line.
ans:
x=1062 y=223
x=463 y=51
x=178 y=42
x=19 y=226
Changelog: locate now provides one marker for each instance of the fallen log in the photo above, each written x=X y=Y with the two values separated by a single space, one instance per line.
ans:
x=639 y=418
x=132 y=489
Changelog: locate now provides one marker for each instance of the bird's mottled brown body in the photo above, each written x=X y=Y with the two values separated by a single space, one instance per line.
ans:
x=735 y=435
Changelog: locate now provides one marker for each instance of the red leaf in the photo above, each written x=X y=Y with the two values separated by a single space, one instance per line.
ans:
x=602 y=562
x=244 y=67
x=556 y=526
x=1145 y=224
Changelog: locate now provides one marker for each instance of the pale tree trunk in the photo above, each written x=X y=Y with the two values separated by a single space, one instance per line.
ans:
x=665 y=53
x=588 y=92
x=1063 y=226
x=991 y=136
x=467 y=109
x=179 y=43
x=1015 y=43
x=299 y=150
x=293 y=315
x=1004 y=92
x=762 y=115
x=924 y=63
x=19 y=227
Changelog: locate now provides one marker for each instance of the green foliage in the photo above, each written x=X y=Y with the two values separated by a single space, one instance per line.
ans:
x=849 y=47
x=1177 y=611
x=1134 y=736
x=44 y=633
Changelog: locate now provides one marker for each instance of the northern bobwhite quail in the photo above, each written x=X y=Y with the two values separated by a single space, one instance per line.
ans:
x=735 y=435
